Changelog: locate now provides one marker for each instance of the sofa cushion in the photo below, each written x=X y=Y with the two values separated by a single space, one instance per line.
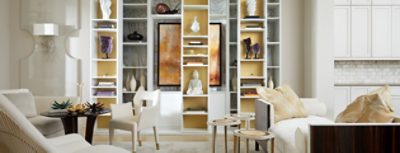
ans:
x=370 y=108
x=285 y=101
x=47 y=125
x=285 y=132
x=23 y=100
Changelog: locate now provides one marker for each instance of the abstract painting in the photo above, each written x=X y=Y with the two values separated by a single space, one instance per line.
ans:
x=215 y=54
x=169 y=54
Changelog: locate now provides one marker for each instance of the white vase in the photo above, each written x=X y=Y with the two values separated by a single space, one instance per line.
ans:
x=133 y=83
x=143 y=81
x=270 y=83
x=234 y=83
x=195 y=25
x=251 y=7
x=105 y=6
x=128 y=83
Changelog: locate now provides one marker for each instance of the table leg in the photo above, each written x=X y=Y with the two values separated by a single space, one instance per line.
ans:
x=89 y=128
x=247 y=145
x=234 y=143
x=257 y=147
x=272 y=145
x=226 y=138
x=238 y=139
x=70 y=124
x=247 y=124
x=214 y=136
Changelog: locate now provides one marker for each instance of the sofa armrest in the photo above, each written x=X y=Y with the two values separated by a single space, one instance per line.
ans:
x=264 y=115
x=314 y=107
x=43 y=103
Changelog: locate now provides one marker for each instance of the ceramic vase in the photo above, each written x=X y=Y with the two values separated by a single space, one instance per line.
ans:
x=234 y=83
x=105 y=6
x=270 y=83
x=143 y=81
x=251 y=7
x=133 y=83
x=195 y=25
x=135 y=36
x=128 y=83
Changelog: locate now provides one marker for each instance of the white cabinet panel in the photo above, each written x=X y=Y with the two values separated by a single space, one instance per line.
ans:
x=342 y=31
x=342 y=2
x=381 y=2
x=361 y=31
x=361 y=2
x=171 y=109
x=395 y=2
x=342 y=96
x=381 y=31
x=396 y=31
x=217 y=105
x=357 y=91
x=396 y=105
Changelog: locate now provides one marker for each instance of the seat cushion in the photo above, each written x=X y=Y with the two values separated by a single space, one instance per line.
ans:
x=69 y=143
x=123 y=123
x=23 y=100
x=285 y=132
x=46 y=125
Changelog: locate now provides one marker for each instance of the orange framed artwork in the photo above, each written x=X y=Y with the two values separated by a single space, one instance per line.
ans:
x=169 y=54
x=215 y=54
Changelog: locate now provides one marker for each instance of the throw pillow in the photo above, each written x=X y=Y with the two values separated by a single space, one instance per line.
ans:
x=285 y=101
x=23 y=100
x=371 y=108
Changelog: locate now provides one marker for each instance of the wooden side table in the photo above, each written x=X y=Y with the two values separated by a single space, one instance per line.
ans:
x=222 y=122
x=252 y=135
x=243 y=117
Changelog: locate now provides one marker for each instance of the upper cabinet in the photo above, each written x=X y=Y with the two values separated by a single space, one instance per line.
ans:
x=342 y=2
x=381 y=31
x=360 y=31
x=362 y=2
x=395 y=31
x=342 y=31
x=382 y=2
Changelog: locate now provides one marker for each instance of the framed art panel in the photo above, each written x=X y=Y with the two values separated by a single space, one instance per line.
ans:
x=215 y=54
x=169 y=54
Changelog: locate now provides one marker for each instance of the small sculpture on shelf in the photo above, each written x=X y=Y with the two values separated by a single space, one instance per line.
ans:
x=162 y=8
x=105 y=6
x=133 y=82
x=256 y=50
x=247 y=42
x=195 y=25
x=95 y=107
x=271 y=83
x=195 y=85
x=251 y=8
x=135 y=36
x=106 y=45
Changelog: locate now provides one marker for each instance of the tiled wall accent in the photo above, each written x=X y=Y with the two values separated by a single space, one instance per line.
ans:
x=367 y=72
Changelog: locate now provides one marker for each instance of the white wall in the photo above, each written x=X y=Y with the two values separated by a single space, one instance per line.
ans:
x=293 y=44
x=5 y=44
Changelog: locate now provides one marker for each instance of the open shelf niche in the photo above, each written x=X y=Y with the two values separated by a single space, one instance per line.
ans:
x=104 y=71
x=195 y=58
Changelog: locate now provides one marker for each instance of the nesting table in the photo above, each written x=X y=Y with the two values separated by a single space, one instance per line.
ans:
x=226 y=122
x=251 y=135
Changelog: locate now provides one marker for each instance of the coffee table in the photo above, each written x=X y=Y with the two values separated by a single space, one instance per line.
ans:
x=70 y=121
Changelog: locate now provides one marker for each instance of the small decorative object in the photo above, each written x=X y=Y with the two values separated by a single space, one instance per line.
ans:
x=175 y=10
x=128 y=83
x=106 y=43
x=63 y=105
x=256 y=50
x=105 y=6
x=270 y=83
x=162 y=8
x=195 y=85
x=234 y=82
x=247 y=42
x=234 y=63
x=133 y=83
x=195 y=25
x=79 y=108
x=135 y=36
x=142 y=80
x=95 y=107
x=251 y=8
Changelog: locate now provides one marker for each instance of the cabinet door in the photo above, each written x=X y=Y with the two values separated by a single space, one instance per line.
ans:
x=361 y=2
x=396 y=31
x=381 y=31
x=342 y=96
x=342 y=31
x=395 y=2
x=171 y=109
x=361 y=31
x=342 y=2
x=381 y=2
x=358 y=91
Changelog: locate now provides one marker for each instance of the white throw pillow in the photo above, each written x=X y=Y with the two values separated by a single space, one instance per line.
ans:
x=23 y=100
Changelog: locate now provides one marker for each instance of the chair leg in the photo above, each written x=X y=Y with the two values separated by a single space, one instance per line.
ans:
x=139 y=139
x=155 y=129
x=111 y=135
x=134 y=138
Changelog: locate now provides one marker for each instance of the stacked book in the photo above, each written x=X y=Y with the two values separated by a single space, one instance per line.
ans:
x=105 y=93
x=106 y=84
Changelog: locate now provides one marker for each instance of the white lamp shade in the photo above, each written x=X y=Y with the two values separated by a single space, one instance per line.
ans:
x=45 y=29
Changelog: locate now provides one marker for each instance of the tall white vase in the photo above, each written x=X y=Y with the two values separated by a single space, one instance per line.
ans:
x=195 y=25
x=105 y=6
x=133 y=83
x=234 y=82
x=251 y=7
x=143 y=81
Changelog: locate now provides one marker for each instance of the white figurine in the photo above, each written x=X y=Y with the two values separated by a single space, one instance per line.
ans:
x=105 y=6
x=195 y=25
x=195 y=85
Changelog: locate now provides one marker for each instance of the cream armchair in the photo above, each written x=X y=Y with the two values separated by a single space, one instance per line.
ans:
x=17 y=134
x=146 y=115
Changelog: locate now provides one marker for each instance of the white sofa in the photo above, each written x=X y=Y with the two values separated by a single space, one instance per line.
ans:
x=291 y=134
x=32 y=106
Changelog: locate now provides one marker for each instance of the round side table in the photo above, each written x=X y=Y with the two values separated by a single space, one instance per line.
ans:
x=243 y=117
x=222 y=122
x=252 y=135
